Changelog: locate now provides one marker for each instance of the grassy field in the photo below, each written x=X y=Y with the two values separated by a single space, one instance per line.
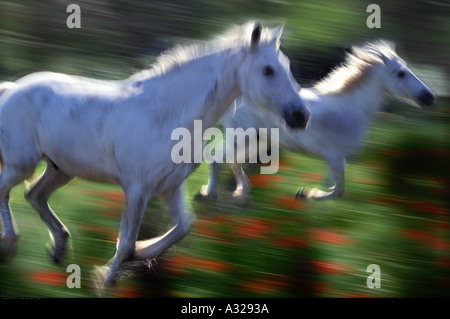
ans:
x=394 y=214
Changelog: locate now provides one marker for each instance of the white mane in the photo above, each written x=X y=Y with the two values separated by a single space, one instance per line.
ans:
x=356 y=67
x=237 y=37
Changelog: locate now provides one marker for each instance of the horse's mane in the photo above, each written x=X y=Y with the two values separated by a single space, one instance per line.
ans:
x=237 y=37
x=356 y=67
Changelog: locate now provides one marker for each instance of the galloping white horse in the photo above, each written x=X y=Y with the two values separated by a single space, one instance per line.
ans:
x=120 y=131
x=342 y=106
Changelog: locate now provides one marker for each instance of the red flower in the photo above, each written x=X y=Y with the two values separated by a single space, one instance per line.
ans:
x=206 y=228
x=331 y=236
x=109 y=233
x=291 y=242
x=329 y=267
x=254 y=228
x=267 y=286
x=126 y=292
x=429 y=207
x=49 y=277
x=427 y=238
x=289 y=202
x=180 y=264
x=265 y=180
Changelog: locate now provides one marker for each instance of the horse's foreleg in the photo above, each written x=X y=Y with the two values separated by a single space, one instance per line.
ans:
x=210 y=191
x=337 y=166
x=243 y=185
x=338 y=174
x=38 y=196
x=136 y=201
x=151 y=248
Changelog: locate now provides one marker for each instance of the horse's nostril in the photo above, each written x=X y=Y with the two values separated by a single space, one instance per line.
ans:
x=300 y=118
x=427 y=98
x=296 y=118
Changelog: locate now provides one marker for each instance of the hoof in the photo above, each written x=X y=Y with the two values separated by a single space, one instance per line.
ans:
x=200 y=196
x=59 y=251
x=203 y=194
x=313 y=193
x=56 y=255
x=239 y=195
x=101 y=280
x=242 y=191
x=8 y=246
x=302 y=193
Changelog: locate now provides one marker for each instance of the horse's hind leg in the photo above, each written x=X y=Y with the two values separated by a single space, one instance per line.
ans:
x=337 y=165
x=243 y=185
x=9 y=178
x=52 y=179
x=210 y=191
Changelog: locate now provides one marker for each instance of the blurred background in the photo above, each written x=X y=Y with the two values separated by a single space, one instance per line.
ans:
x=395 y=212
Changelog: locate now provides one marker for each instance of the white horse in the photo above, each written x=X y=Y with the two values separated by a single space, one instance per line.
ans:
x=120 y=131
x=342 y=106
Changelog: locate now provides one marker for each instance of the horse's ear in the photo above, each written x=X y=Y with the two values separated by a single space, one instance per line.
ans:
x=277 y=32
x=256 y=36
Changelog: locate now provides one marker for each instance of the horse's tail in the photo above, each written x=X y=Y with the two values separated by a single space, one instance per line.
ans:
x=5 y=86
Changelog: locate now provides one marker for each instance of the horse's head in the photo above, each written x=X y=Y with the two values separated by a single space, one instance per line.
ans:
x=266 y=80
x=400 y=81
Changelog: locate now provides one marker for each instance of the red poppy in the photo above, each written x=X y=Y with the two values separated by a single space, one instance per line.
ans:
x=329 y=267
x=206 y=228
x=429 y=207
x=49 y=277
x=254 y=228
x=127 y=292
x=331 y=236
x=182 y=263
x=212 y=265
x=427 y=238
x=289 y=202
x=179 y=264
x=267 y=286
x=312 y=177
x=110 y=233
x=291 y=242
x=265 y=180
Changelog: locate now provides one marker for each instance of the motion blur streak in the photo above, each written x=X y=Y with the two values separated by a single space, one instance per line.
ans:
x=395 y=211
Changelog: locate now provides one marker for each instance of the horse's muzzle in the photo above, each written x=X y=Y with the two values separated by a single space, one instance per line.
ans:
x=426 y=98
x=296 y=117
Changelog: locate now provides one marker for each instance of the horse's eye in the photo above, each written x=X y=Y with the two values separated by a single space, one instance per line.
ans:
x=268 y=71
x=401 y=74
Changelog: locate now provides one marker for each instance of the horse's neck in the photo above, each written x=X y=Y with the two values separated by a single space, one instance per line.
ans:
x=367 y=98
x=225 y=91
x=202 y=89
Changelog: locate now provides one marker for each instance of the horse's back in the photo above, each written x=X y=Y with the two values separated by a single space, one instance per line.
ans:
x=62 y=117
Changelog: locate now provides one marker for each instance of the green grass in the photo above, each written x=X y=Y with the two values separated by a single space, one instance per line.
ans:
x=394 y=214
